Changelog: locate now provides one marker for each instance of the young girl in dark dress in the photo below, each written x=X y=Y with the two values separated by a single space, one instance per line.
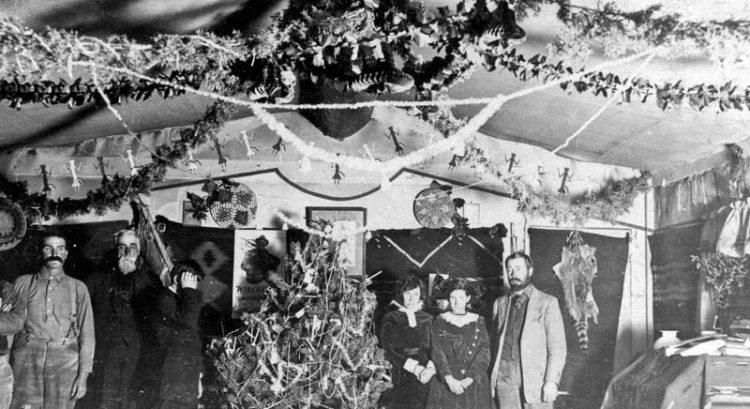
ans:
x=405 y=337
x=461 y=353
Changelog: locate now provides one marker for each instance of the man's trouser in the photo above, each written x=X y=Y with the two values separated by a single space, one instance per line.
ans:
x=44 y=374
x=508 y=391
x=118 y=376
x=6 y=382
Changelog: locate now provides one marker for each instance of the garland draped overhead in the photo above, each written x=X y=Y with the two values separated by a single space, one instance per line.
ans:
x=356 y=47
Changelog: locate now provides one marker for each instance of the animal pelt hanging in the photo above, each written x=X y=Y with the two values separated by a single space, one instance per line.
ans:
x=576 y=272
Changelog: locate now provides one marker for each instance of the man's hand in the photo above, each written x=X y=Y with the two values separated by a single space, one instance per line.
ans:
x=189 y=280
x=549 y=392
x=5 y=307
x=79 y=387
x=454 y=385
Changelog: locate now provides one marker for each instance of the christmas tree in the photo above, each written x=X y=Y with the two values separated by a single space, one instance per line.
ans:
x=312 y=344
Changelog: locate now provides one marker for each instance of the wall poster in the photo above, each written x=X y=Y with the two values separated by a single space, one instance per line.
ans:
x=258 y=254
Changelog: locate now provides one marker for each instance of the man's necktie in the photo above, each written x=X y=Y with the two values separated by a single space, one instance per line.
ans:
x=517 y=300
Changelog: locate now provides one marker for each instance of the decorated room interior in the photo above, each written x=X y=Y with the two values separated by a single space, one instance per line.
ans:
x=344 y=146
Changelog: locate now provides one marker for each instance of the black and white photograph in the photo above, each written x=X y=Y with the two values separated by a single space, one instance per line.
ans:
x=374 y=204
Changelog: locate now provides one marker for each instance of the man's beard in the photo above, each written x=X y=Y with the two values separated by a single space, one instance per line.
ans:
x=517 y=285
x=127 y=264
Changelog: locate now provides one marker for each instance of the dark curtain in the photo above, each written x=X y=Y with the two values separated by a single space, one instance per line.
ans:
x=585 y=377
x=675 y=278
x=459 y=257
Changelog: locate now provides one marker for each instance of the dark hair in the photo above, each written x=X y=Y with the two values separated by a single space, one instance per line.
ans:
x=408 y=284
x=454 y=284
x=519 y=254
x=50 y=233
x=472 y=288
x=188 y=265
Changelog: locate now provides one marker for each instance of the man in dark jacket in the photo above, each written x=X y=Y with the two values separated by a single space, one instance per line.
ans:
x=123 y=298
x=11 y=322
x=178 y=309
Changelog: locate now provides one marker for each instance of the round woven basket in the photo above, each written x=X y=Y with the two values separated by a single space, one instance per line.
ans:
x=12 y=224
x=235 y=208
x=433 y=208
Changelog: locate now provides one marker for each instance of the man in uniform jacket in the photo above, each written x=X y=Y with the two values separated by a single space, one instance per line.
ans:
x=123 y=297
x=531 y=350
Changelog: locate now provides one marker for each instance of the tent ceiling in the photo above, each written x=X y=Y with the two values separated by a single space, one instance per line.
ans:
x=635 y=135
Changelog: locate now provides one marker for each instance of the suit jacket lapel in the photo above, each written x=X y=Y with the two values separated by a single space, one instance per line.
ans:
x=532 y=308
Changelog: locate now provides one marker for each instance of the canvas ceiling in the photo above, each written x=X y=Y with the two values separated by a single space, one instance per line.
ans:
x=672 y=144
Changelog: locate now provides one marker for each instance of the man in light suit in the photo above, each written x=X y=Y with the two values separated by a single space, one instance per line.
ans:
x=531 y=349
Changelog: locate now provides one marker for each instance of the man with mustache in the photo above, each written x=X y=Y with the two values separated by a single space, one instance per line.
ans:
x=531 y=350
x=123 y=299
x=53 y=354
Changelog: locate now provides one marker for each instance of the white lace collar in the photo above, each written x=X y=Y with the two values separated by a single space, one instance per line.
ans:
x=460 y=320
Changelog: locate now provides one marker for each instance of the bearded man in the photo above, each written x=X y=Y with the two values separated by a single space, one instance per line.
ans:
x=531 y=347
x=123 y=298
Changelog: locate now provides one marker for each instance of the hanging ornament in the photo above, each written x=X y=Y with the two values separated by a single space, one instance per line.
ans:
x=393 y=136
x=191 y=162
x=305 y=165
x=278 y=146
x=453 y=163
x=460 y=223
x=47 y=187
x=223 y=159
x=566 y=175
x=251 y=150
x=512 y=162
x=131 y=162
x=337 y=174
x=73 y=170
x=101 y=166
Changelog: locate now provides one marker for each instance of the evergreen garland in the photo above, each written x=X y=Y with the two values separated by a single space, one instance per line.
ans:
x=356 y=43
x=112 y=193
x=607 y=204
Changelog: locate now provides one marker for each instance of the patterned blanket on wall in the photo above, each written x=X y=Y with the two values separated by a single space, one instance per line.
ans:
x=213 y=249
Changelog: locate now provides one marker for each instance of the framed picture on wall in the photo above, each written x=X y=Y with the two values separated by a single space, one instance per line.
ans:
x=346 y=219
